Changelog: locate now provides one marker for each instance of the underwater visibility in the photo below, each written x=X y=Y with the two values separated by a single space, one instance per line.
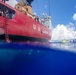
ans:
x=36 y=59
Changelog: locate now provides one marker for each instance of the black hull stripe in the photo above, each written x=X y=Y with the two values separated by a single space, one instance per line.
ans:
x=22 y=38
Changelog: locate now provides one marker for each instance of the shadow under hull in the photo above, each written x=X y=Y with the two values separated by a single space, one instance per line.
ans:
x=16 y=38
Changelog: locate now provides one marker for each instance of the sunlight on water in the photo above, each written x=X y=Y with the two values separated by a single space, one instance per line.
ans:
x=66 y=47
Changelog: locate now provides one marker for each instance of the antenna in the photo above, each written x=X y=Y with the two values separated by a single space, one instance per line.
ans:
x=49 y=6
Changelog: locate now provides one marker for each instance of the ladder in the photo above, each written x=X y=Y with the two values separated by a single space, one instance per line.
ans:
x=6 y=28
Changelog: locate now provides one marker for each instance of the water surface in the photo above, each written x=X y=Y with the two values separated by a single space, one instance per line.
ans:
x=35 y=59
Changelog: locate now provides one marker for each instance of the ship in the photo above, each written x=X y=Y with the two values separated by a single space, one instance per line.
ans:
x=18 y=23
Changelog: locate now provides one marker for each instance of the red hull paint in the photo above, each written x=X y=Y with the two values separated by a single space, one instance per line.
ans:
x=22 y=25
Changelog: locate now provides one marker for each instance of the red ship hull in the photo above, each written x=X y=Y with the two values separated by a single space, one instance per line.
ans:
x=23 y=26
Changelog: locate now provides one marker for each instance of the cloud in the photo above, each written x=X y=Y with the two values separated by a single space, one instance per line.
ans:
x=71 y=24
x=61 y=32
x=12 y=2
x=74 y=16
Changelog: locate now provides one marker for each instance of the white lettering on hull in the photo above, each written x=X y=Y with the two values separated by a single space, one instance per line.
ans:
x=39 y=29
x=34 y=27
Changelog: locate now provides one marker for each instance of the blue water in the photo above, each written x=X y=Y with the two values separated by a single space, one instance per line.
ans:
x=35 y=59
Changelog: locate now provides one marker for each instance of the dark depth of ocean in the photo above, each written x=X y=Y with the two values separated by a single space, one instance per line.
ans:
x=36 y=59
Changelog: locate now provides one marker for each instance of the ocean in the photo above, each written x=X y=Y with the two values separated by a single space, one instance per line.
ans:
x=37 y=58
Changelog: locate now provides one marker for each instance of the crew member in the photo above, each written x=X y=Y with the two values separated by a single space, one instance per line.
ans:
x=34 y=16
x=0 y=13
x=37 y=18
x=4 y=1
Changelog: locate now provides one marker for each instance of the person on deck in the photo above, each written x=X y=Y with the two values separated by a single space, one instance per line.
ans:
x=4 y=1
x=34 y=16
x=37 y=18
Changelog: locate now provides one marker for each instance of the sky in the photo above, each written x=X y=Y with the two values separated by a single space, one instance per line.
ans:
x=63 y=16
